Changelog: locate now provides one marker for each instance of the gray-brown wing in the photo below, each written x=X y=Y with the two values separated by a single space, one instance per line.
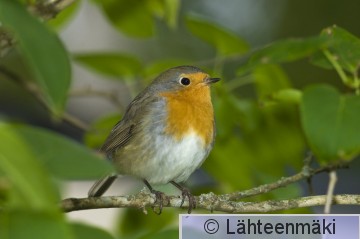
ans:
x=123 y=131
x=119 y=136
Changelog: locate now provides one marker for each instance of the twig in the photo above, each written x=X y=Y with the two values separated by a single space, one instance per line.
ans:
x=208 y=201
x=305 y=173
x=330 y=191
x=35 y=91
x=74 y=121
x=307 y=170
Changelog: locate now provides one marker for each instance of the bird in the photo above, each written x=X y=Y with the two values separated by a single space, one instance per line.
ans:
x=166 y=133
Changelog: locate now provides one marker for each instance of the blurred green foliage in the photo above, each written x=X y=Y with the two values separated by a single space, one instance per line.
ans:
x=332 y=129
x=258 y=137
x=85 y=231
x=34 y=41
x=137 y=18
x=225 y=42
x=116 y=65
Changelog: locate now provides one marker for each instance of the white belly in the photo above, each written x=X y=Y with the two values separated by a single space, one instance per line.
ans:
x=174 y=160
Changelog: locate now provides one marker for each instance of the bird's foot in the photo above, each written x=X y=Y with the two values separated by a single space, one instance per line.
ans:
x=160 y=197
x=185 y=194
x=192 y=202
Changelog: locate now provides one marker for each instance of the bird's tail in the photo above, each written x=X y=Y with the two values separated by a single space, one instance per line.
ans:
x=100 y=186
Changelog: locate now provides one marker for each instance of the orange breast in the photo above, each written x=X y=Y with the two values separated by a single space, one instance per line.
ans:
x=190 y=110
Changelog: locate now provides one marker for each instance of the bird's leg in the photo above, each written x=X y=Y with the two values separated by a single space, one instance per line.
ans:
x=186 y=193
x=160 y=196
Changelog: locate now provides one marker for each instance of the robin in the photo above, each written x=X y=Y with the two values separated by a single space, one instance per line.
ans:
x=166 y=133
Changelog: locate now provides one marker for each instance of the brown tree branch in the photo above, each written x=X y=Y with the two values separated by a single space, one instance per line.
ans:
x=208 y=201
x=222 y=203
x=330 y=191
x=306 y=173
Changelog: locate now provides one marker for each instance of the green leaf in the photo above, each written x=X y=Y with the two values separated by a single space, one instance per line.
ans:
x=43 y=51
x=33 y=224
x=287 y=96
x=225 y=42
x=269 y=79
x=111 y=64
x=273 y=85
x=65 y=15
x=285 y=51
x=172 y=8
x=331 y=123
x=166 y=234
x=344 y=46
x=167 y=10
x=85 y=231
x=134 y=223
x=240 y=174
x=30 y=183
x=137 y=18
x=133 y=18
x=100 y=129
x=63 y=158
x=269 y=139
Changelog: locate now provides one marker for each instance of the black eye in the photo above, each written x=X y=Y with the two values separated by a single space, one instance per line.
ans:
x=185 y=81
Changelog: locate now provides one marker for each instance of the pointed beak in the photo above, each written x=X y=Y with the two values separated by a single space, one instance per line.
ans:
x=209 y=81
